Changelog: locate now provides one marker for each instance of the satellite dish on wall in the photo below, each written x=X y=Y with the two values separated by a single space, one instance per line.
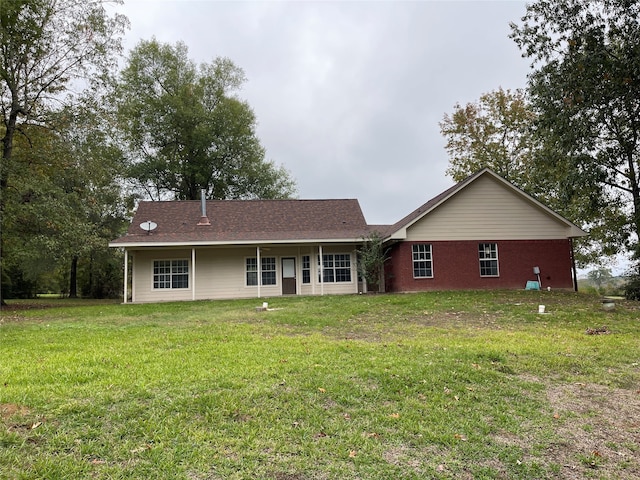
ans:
x=148 y=226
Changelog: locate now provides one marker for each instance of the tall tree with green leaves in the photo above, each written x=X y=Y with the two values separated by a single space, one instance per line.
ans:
x=64 y=202
x=46 y=45
x=494 y=132
x=47 y=48
x=187 y=131
x=585 y=92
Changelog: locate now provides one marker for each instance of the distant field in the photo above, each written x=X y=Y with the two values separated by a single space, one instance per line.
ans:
x=449 y=385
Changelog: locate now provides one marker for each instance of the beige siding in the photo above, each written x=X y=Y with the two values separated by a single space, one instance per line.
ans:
x=220 y=273
x=488 y=210
x=143 y=290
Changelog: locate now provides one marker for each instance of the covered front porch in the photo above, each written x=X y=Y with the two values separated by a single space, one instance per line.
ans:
x=200 y=272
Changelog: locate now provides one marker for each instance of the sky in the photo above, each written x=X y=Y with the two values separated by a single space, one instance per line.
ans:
x=348 y=95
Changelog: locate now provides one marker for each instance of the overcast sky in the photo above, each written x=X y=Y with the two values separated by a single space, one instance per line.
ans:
x=348 y=95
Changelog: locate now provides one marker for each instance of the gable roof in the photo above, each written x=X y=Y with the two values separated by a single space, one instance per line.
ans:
x=245 y=221
x=399 y=229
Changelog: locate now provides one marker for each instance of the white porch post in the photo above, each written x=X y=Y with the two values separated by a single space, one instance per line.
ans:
x=126 y=273
x=193 y=273
x=321 y=270
x=259 y=269
x=298 y=273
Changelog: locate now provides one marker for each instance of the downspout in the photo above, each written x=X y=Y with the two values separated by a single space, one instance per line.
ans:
x=259 y=269
x=126 y=273
x=573 y=266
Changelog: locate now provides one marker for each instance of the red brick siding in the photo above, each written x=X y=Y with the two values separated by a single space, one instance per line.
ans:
x=456 y=265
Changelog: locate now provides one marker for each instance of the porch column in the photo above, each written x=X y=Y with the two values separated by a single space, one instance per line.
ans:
x=126 y=273
x=259 y=269
x=321 y=270
x=298 y=273
x=193 y=273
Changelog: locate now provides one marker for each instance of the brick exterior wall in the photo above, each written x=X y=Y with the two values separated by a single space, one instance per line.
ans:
x=456 y=265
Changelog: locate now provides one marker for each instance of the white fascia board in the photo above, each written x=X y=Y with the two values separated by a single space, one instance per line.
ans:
x=204 y=243
x=398 y=235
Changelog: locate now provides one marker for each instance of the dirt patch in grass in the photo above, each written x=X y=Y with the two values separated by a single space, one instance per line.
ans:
x=8 y=410
x=597 y=432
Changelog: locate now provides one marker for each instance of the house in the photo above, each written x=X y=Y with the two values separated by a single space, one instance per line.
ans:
x=481 y=233
x=190 y=250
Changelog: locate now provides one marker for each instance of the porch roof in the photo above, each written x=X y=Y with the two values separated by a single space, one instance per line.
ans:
x=245 y=222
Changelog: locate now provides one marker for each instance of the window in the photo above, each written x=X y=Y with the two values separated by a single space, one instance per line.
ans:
x=335 y=268
x=306 y=269
x=268 y=265
x=171 y=274
x=488 y=255
x=422 y=263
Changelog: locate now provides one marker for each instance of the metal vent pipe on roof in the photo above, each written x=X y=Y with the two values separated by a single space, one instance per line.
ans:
x=204 y=220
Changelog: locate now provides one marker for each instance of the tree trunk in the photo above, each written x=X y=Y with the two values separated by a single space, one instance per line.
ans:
x=635 y=194
x=73 y=278
x=7 y=149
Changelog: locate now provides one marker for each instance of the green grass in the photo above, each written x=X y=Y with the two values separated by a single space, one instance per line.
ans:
x=433 y=385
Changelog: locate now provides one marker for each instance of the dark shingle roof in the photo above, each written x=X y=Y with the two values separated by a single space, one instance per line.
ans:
x=247 y=221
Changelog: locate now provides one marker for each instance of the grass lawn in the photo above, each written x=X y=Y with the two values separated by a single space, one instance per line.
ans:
x=434 y=385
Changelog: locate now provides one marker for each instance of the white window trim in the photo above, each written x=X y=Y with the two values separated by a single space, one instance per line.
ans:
x=259 y=271
x=171 y=260
x=319 y=278
x=413 y=260
x=497 y=260
x=302 y=269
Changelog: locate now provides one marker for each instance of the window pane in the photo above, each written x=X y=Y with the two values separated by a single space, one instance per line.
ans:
x=162 y=274
x=422 y=266
x=342 y=264
x=489 y=268
x=269 y=271
x=252 y=265
x=252 y=278
x=306 y=269
x=171 y=274
x=343 y=274
x=488 y=256
x=180 y=266
x=268 y=278
x=162 y=281
x=269 y=264
x=180 y=281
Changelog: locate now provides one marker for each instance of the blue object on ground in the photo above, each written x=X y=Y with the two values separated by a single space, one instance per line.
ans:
x=532 y=285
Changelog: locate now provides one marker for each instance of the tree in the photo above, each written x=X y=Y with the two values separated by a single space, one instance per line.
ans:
x=187 y=132
x=64 y=202
x=500 y=132
x=599 y=276
x=494 y=132
x=371 y=258
x=585 y=92
x=46 y=47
